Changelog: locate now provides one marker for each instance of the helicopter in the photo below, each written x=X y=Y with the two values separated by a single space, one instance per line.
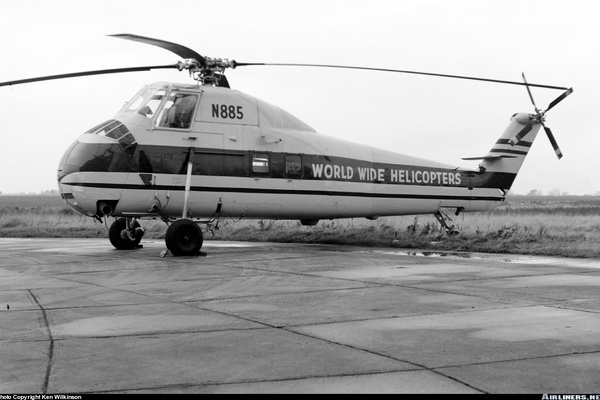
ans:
x=190 y=154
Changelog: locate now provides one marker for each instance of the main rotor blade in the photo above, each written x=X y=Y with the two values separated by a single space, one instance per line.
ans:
x=401 y=71
x=178 y=49
x=560 y=98
x=553 y=142
x=528 y=91
x=87 y=73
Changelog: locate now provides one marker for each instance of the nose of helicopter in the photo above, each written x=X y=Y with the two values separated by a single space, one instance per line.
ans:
x=83 y=178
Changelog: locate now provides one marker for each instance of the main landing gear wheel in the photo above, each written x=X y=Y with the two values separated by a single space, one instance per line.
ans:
x=123 y=237
x=184 y=238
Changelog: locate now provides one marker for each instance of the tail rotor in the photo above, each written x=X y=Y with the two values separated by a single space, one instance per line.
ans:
x=539 y=118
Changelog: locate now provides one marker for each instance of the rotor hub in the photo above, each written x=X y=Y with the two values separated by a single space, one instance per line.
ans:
x=539 y=117
x=208 y=72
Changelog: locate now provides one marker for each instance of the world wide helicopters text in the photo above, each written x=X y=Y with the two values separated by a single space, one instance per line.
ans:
x=386 y=175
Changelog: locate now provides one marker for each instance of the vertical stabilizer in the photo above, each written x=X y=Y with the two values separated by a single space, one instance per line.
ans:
x=509 y=152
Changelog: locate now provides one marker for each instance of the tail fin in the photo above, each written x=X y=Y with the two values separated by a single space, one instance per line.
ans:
x=509 y=152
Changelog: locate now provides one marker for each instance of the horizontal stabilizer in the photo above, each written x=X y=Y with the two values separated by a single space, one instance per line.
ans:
x=489 y=157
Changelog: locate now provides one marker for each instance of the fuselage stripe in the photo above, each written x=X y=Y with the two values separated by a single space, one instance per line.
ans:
x=509 y=151
x=521 y=143
x=288 y=192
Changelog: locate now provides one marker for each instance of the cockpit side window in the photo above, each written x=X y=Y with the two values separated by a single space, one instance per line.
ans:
x=178 y=111
x=147 y=102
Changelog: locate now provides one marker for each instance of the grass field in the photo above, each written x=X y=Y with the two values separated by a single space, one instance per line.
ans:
x=567 y=226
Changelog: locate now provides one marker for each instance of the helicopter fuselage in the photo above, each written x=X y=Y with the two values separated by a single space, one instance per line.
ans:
x=242 y=157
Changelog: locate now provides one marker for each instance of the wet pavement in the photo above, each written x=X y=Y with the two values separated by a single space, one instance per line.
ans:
x=77 y=316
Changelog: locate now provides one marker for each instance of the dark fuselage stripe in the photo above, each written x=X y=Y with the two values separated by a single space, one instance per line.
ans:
x=154 y=160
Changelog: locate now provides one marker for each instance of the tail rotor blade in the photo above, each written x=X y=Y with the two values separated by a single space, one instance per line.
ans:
x=553 y=142
x=528 y=91
x=559 y=98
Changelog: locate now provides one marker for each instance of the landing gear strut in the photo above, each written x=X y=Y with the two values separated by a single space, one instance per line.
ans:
x=125 y=233
x=441 y=217
x=184 y=236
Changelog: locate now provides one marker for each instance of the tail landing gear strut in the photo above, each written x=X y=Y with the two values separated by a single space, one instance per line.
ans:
x=442 y=217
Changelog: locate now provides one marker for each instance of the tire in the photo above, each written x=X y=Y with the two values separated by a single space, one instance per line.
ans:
x=184 y=238
x=115 y=235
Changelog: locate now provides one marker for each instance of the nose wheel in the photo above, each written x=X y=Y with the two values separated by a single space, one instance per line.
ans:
x=184 y=238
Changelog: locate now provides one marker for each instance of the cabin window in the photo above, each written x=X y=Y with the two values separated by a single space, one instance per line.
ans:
x=260 y=163
x=293 y=165
x=178 y=111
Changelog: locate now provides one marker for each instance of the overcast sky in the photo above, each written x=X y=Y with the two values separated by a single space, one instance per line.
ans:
x=554 y=42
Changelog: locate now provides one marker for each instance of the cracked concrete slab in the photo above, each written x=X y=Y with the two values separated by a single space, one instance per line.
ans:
x=77 y=316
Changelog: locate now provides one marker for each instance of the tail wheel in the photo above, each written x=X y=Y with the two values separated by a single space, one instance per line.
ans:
x=184 y=238
x=119 y=236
